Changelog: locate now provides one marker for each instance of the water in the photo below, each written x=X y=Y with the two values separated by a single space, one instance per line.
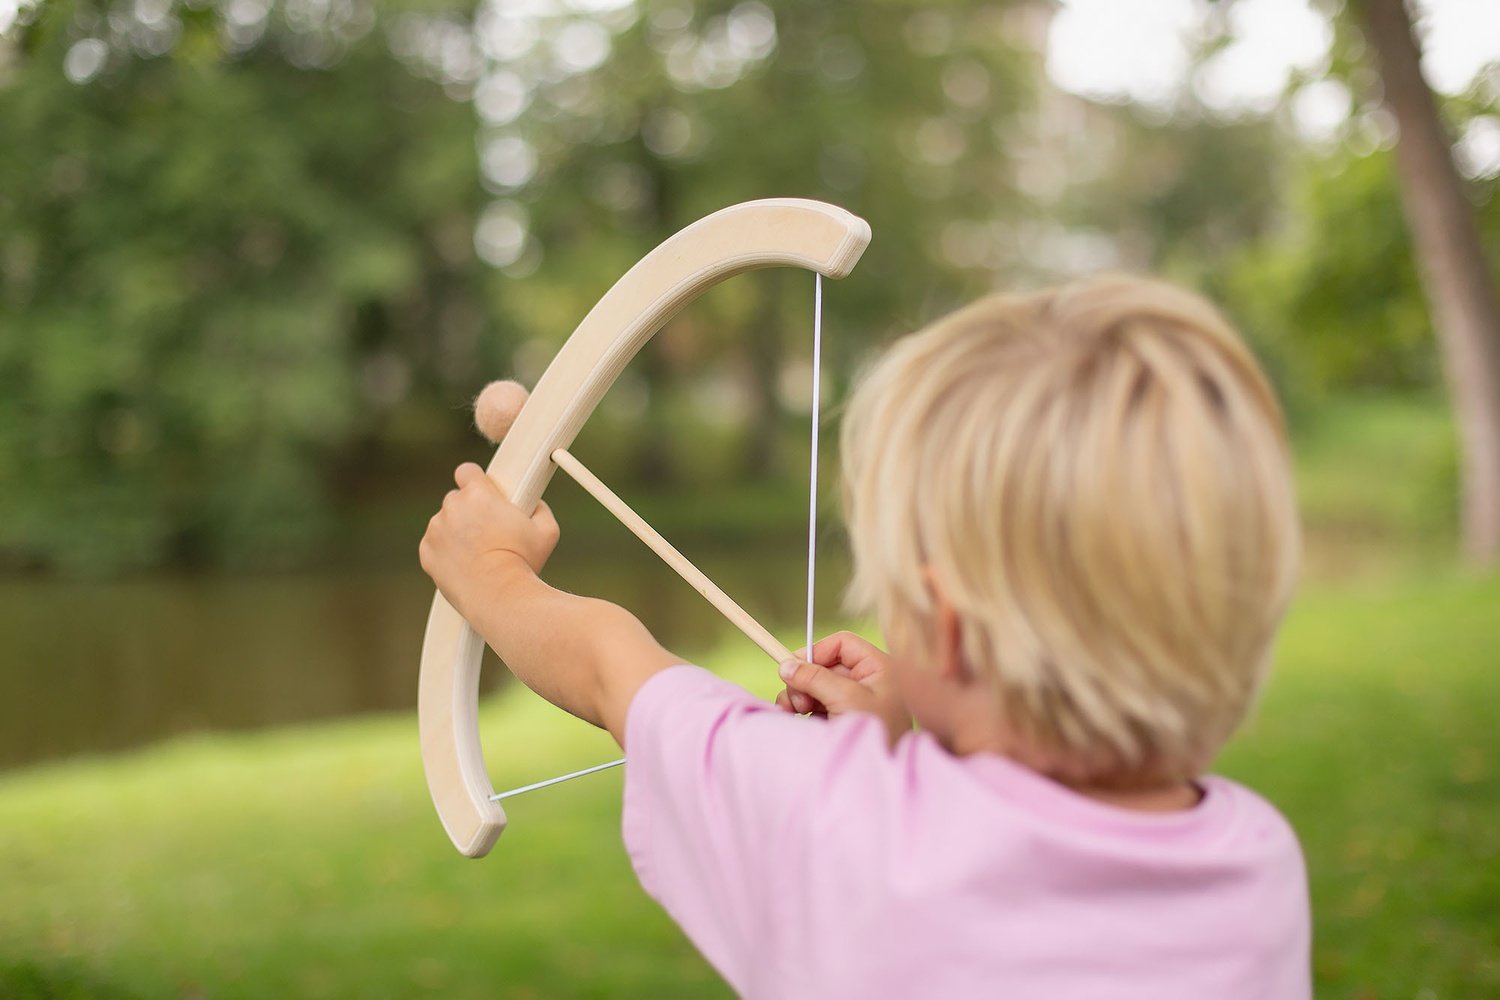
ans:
x=92 y=667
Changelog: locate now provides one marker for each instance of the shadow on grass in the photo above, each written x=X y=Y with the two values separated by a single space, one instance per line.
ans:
x=57 y=981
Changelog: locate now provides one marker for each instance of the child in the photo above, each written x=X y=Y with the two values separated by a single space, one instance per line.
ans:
x=1072 y=515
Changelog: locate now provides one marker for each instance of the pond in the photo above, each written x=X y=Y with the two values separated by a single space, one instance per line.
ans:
x=93 y=667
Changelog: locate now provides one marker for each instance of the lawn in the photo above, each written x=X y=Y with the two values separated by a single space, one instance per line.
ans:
x=1378 y=739
x=307 y=862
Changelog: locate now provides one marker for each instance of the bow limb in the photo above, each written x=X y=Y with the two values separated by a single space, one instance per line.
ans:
x=780 y=232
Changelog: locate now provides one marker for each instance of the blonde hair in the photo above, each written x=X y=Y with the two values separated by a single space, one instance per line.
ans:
x=1096 y=476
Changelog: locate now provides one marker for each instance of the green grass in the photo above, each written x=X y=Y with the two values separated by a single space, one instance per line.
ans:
x=1378 y=739
x=308 y=863
x=1377 y=480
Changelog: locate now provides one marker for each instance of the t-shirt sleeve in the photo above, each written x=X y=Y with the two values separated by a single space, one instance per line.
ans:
x=719 y=788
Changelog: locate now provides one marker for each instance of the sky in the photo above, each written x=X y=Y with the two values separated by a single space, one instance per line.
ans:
x=1139 y=50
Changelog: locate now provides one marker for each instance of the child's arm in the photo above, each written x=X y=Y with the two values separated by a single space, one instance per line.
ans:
x=586 y=656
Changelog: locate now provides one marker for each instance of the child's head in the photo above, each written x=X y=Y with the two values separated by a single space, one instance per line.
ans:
x=1083 y=492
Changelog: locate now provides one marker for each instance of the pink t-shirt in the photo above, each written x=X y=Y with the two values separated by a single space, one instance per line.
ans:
x=806 y=859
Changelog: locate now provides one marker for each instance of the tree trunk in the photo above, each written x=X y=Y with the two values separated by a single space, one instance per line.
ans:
x=1459 y=286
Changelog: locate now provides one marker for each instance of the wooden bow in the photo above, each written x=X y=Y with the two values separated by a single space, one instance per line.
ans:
x=777 y=232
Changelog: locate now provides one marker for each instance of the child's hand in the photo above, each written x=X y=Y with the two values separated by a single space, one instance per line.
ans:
x=477 y=531
x=846 y=674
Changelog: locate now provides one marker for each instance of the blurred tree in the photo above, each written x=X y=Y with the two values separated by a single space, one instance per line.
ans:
x=1456 y=274
x=1335 y=295
x=607 y=131
x=1181 y=195
x=238 y=235
x=1319 y=269
x=230 y=237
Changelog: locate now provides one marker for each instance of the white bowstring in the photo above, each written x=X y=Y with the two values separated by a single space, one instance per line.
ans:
x=553 y=781
x=812 y=532
x=812 y=475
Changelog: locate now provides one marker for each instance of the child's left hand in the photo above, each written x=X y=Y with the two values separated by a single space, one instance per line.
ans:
x=477 y=531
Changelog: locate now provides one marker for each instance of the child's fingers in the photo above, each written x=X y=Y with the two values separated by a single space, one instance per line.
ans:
x=546 y=522
x=827 y=662
x=468 y=473
x=843 y=649
x=819 y=684
x=797 y=703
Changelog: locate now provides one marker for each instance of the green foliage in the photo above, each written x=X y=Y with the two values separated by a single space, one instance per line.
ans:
x=200 y=248
x=1303 y=240
x=1334 y=292
x=900 y=115
x=237 y=256
x=1335 y=295
x=908 y=117
x=238 y=251
x=1181 y=195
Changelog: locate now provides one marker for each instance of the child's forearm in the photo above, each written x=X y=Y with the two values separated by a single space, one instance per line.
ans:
x=585 y=655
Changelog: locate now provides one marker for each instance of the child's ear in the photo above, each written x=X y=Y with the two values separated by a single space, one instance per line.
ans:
x=947 y=632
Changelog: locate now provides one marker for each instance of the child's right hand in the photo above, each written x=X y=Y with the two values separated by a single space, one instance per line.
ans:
x=845 y=674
